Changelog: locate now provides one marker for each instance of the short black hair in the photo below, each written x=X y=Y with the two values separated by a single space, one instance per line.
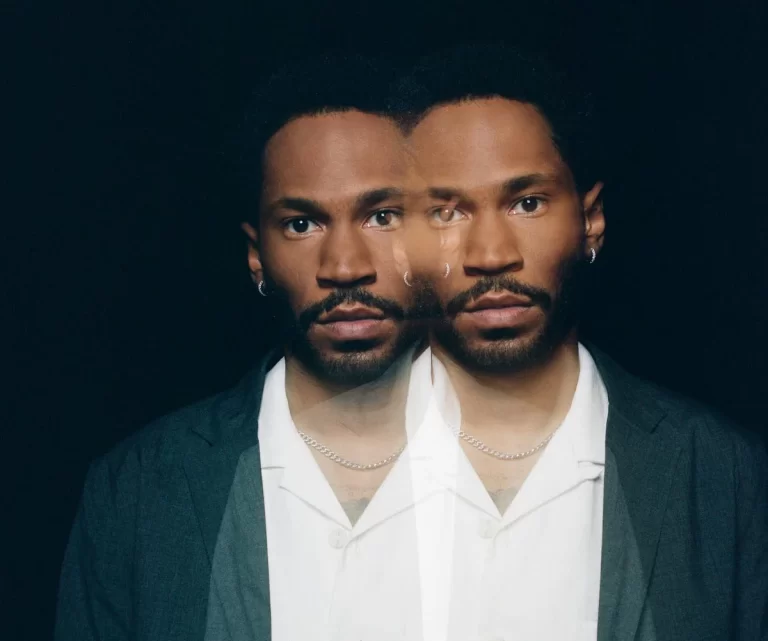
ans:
x=477 y=71
x=327 y=83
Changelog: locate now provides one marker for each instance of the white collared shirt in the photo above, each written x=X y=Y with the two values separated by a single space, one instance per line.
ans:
x=431 y=558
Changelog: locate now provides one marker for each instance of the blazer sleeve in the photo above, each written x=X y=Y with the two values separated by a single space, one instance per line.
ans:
x=752 y=550
x=94 y=600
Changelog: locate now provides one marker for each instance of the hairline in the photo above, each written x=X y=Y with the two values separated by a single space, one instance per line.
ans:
x=315 y=113
x=409 y=122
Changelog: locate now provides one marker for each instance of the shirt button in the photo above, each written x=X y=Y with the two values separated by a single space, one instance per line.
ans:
x=487 y=529
x=338 y=539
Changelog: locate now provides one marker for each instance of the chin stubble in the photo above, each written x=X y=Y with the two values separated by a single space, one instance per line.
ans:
x=506 y=350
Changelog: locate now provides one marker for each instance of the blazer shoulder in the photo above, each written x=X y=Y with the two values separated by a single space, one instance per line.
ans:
x=705 y=433
x=163 y=443
x=729 y=460
x=706 y=425
x=708 y=435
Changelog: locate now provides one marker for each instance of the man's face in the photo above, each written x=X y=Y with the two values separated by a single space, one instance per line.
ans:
x=511 y=227
x=329 y=243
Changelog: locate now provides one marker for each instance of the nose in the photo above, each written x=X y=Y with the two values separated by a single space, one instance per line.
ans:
x=345 y=260
x=491 y=247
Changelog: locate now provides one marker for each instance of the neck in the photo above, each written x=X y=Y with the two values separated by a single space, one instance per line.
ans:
x=525 y=403
x=326 y=409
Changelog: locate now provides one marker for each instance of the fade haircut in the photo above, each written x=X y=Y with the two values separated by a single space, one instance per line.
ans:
x=329 y=83
x=481 y=71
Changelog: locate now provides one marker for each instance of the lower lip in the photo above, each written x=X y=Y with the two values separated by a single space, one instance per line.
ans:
x=498 y=316
x=356 y=330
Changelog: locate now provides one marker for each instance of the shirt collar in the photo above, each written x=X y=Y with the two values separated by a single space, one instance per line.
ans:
x=584 y=426
x=279 y=440
x=282 y=449
x=587 y=417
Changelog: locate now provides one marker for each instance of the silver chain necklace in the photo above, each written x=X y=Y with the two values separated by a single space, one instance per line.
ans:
x=342 y=461
x=474 y=442
x=477 y=443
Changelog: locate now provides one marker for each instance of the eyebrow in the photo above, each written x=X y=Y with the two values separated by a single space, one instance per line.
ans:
x=510 y=186
x=519 y=183
x=374 y=197
x=310 y=207
x=302 y=205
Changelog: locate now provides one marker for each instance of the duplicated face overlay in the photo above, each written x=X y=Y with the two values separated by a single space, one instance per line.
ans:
x=475 y=204
x=510 y=234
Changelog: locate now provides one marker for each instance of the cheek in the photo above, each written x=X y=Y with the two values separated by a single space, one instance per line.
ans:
x=293 y=272
x=445 y=292
x=545 y=250
x=430 y=249
x=390 y=254
x=422 y=251
x=391 y=261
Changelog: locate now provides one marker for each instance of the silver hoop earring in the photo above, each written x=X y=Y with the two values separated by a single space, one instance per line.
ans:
x=405 y=278
x=447 y=271
x=594 y=255
x=260 y=287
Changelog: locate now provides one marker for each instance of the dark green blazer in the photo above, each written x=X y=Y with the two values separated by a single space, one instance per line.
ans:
x=685 y=534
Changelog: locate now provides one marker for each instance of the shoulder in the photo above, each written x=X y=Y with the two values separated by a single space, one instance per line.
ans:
x=161 y=447
x=710 y=435
x=704 y=430
x=705 y=435
x=726 y=465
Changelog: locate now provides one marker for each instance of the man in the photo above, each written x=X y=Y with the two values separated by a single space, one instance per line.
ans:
x=591 y=504
x=328 y=410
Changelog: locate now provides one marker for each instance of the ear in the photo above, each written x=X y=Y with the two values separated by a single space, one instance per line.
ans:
x=254 y=259
x=594 y=217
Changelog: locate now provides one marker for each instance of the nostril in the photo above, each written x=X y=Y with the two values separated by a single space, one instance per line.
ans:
x=346 y=280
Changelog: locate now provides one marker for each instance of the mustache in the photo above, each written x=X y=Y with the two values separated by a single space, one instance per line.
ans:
x=537 y=296
x=355 y=295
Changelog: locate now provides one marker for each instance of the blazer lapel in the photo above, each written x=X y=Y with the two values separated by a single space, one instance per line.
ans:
x=640 y=463
x=238 y=597
x=210 y=465
x=210 y=471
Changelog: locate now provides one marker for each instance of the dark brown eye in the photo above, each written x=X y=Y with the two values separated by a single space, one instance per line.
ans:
x=384 y=218
x=299 y=226
x=530 y=205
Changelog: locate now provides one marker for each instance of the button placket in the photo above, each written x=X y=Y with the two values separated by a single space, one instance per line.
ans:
x=338 y=538
x=487 y=529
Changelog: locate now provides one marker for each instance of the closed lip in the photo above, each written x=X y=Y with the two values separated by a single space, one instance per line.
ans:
x=346 y=314
x=496 y=301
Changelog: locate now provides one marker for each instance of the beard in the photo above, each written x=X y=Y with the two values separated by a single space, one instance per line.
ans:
x=511 y=350
x=353 y=362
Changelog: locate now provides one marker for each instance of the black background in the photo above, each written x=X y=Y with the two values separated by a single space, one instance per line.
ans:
x=128 y=294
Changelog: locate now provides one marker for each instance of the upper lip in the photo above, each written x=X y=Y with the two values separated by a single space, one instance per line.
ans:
x=351 y=313
x=497 y=301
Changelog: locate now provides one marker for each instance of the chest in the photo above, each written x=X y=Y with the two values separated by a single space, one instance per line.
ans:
x=354 y=489
x=501 y=479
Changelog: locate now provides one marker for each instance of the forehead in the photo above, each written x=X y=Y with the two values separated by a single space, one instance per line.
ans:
x=480 y=142
x=334 y=156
